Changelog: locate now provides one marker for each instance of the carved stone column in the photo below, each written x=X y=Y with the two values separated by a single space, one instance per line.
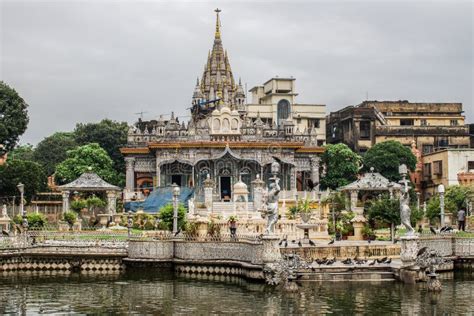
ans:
x=111 y=202
x=130 y=173
x=315 y=172
x=65 y=195
x=208 y=193
x=258 y=186
x=158 y=172
x=293 y=188
x=354 y=196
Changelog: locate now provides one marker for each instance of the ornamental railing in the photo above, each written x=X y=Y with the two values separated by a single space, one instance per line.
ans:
x=14 y=242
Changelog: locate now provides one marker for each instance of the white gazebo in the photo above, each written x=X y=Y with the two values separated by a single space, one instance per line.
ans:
x=90 y=182
x=368 y=182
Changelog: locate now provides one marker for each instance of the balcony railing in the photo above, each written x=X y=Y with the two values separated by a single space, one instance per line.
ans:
x=422 y=130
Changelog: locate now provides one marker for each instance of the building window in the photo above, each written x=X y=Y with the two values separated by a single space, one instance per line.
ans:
x=365 y=129
x=423 y=122
x=427 y=170
x=320 y=143
x=453 y=122
x=406 y=122
x=427 y=149
x=470 y=165
x=283 y=110
x=313 y=123
x=442 y=142
x=438 y=167
x=298 y=121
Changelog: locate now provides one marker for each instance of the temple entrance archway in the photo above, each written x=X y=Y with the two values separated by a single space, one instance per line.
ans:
x=225 y=188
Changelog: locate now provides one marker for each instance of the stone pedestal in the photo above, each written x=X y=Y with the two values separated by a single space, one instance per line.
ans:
x=5 y=223
x=408 y=250
x=358 y=223
x=409 y=272
x=208 y=193
x=271 y=250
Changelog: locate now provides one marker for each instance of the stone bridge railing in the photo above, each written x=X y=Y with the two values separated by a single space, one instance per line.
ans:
x=251 y=250
x=449 y=245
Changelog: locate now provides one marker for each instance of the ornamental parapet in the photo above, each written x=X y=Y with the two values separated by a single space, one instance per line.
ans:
x=422 y=130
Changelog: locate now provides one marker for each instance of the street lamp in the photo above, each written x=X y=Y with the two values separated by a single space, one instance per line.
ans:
x=176 y=194
x=441 y=203
x=21 y=188
x=129 y=223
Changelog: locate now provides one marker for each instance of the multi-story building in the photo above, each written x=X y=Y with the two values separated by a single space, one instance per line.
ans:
x=227 y=140
x=432 y=126
x=452 y=166
x=275 y=103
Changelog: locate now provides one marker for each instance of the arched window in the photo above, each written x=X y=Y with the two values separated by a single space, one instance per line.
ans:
x=284 y=109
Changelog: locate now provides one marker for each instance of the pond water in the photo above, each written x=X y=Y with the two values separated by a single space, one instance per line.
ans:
x=159 y=292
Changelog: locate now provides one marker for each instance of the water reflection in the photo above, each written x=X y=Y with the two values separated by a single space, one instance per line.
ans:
x=161 y=292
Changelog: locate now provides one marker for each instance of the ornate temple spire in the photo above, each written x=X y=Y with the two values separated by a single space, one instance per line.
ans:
x=218 y=25
x=217 y=78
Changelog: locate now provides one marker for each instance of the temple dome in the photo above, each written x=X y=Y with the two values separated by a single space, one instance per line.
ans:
x=240 y=188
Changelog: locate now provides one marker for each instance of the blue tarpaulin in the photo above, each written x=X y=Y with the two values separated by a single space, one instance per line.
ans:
x=159 y=198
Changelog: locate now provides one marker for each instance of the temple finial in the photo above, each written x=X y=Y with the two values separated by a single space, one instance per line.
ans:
x=218 y=24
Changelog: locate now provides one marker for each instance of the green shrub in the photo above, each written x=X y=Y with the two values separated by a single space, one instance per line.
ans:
x=166 y=216
x=35 y=220
x=144 y=221
x=78 y=205
x=191 y=228
x=70 y=217
x=213 y=229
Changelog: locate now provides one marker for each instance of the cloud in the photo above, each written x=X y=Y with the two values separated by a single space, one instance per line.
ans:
x=80 y=61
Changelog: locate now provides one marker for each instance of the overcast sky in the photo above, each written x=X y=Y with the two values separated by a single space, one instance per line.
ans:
x=81 y=61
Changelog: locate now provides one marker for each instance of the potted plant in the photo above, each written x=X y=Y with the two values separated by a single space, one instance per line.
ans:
x=70 y=217
x=232 y=224
x=304 y=208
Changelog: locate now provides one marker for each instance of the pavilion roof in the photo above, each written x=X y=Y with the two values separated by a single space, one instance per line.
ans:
x=89 y=181
x=371 y=181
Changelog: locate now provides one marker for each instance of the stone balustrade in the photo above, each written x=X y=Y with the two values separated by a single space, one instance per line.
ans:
x=341 y=252
x=449 y=245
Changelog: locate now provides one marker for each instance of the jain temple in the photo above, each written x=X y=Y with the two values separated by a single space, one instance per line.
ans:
x=222 y=155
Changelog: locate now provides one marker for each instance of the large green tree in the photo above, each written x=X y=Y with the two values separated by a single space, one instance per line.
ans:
x=53 y=149
x=29 y=173
x=84 y=158
x=342 y=166
x=13 y=117
x=386 y=157
x=22 y=152
x=110 y=135
x=384 y=210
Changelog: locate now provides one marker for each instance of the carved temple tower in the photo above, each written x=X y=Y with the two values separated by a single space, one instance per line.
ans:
x=217 y=86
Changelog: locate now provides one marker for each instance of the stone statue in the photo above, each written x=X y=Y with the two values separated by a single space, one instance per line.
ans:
x=4 y=211
x=270 y=204
x=405 y=212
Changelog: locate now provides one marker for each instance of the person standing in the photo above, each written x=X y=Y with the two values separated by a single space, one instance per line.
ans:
x=462 y=219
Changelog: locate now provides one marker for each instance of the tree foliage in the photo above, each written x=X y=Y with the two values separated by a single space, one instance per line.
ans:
x=454 y=199
x=35 y=220
x=385 y=210
x=89 y=157
x=342 y=166
x=386 y=157
x=13 y=117
x=166 y=216
x=22 y=152
x=53 y=149
x=110 y=135
x=27 y=172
